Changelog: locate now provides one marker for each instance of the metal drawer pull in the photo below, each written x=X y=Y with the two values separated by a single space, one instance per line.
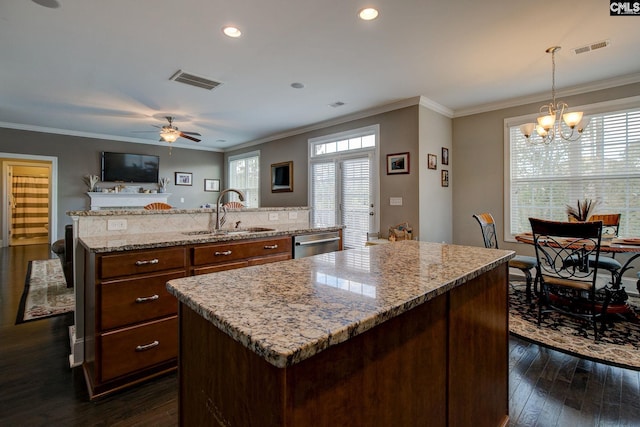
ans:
x=271 y=247
x=148 y=346
x=146 y=299
x=150 y=261
x=222 y=253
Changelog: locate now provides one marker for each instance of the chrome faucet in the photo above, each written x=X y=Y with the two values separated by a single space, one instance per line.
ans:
x=219 y=206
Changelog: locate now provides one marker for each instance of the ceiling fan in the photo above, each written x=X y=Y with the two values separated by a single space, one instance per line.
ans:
x=169 y=133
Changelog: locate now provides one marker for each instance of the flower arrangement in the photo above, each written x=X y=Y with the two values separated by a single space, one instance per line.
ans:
x=91 y=181
x=163 y=184
x=583 y=210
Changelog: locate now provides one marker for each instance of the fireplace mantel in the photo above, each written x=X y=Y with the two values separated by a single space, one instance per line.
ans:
x=125 y=200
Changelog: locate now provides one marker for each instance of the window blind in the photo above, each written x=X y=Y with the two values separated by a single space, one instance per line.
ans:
x=323 y=193
x=244 y=175
x=356 y=190
x=604 y=165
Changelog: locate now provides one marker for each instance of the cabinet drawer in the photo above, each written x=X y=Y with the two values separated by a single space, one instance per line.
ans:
x=220 y=267
x=229 y=251
x=127 y=301
x=128 y=350
x=268 y=259
x=138 y=262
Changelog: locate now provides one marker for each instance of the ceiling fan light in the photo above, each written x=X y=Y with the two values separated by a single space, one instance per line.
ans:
x=572 y=119
x=547 y=122
x=527 y=129
x=169 y=136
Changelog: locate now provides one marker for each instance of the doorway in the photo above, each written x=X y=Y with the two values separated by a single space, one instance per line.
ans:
x=28 y=191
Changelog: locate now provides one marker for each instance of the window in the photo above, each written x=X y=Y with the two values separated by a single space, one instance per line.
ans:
x=343 y=183
x=604 y=165
x=244 y=175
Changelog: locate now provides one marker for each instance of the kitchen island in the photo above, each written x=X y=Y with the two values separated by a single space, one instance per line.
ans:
x=408 y=333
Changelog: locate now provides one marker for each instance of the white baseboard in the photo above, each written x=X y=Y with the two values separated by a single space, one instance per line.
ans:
x=77 y=348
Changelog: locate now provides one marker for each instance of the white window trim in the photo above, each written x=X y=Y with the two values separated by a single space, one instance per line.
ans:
x=354 y=133
x=589 y=109
x=255 y=153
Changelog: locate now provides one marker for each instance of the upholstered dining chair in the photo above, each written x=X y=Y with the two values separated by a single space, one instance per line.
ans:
x=233 y=205
x=157 y=206
x=521 y=262
x=565 y=273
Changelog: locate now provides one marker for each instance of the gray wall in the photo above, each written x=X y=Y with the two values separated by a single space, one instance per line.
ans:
x=80 y=156
x=398 y=133
x=478 y=149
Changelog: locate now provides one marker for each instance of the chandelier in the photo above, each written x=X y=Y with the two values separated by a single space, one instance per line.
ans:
x=555 y=119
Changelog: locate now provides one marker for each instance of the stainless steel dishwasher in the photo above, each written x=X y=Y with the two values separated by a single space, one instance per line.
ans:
x=316 y=243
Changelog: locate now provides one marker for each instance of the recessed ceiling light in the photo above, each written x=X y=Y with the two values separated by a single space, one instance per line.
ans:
x=297 y=85
x=368 y=13
x=231 y=31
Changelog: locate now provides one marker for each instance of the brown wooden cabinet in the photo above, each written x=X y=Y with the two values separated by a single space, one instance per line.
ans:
x=210 y=258
x=130 y=318
x=131 y=328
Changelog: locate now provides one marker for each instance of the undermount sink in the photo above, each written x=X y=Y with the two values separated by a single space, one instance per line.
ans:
x=229 y=231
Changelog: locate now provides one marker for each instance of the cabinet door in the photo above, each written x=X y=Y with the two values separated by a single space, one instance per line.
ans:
x=230 y=251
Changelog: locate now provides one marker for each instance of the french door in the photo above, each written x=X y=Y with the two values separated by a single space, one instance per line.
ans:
x=343 y=192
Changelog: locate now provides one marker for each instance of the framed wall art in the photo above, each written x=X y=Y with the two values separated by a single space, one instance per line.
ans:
x=432 y=161
x=211 y=185
x=397 y=163
x=445 y=178
x=282 y=177
x=445 y=156
x=184 y=178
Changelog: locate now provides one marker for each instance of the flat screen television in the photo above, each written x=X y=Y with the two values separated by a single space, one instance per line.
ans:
x=124 y=167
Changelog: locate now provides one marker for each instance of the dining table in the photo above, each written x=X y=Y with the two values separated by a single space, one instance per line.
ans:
x=610 y=245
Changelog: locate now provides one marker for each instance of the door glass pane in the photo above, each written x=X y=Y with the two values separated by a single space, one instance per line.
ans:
x=323 y=194
x=356 y=203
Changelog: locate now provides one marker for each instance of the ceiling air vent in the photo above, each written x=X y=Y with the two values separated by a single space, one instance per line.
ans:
x=193 y=80
x=591 y=47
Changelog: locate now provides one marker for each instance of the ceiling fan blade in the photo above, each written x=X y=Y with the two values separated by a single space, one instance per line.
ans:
x=182 y=134
x=192 y=133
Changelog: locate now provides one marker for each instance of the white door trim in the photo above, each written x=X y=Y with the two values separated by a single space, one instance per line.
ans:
x=53 y=202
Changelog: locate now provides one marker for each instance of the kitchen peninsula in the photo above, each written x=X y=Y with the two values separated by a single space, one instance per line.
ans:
x=409 y=333
x=125 y=321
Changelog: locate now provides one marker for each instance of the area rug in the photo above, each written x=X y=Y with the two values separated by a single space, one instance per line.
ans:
x=619 y=345
x=45 y=292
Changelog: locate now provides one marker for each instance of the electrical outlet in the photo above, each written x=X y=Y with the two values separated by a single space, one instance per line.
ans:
x=293 y=215
x=273 y=216
x=395 y=201
x=116 y=224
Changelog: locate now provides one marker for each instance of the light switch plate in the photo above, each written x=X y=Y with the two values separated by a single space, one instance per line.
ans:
x=293 y=215
x=395 y=201
x=273 y=216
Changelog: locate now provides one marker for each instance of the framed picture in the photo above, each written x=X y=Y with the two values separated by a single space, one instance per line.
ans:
x=211 y=185
x=432 y=161
x=445 y=156
x=282 y=177
x=397 y=163
x=184 y=178
x=445 y=178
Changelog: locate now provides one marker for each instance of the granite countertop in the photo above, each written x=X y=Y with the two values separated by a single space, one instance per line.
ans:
x=289 y=311
x=118 y=212
x=127 y=242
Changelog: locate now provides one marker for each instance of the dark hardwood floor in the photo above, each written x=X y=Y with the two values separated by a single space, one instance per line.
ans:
x=37 y=387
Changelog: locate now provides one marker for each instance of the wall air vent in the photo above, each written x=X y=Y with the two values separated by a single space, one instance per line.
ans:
x=591 y=47
x=193 y=80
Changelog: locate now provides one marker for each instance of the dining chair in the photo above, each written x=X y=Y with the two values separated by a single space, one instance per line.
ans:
x=157 y=206
x=565 y=273
x=523 y=263
x=610 y=227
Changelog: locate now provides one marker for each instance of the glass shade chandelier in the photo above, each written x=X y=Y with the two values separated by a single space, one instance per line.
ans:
x=555 y=120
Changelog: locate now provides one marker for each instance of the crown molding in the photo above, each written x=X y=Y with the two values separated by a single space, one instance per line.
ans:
x=541 y=97
x=403 y=103
x=92 y=135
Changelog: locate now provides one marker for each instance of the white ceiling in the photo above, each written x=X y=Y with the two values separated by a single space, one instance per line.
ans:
x=102 y=68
